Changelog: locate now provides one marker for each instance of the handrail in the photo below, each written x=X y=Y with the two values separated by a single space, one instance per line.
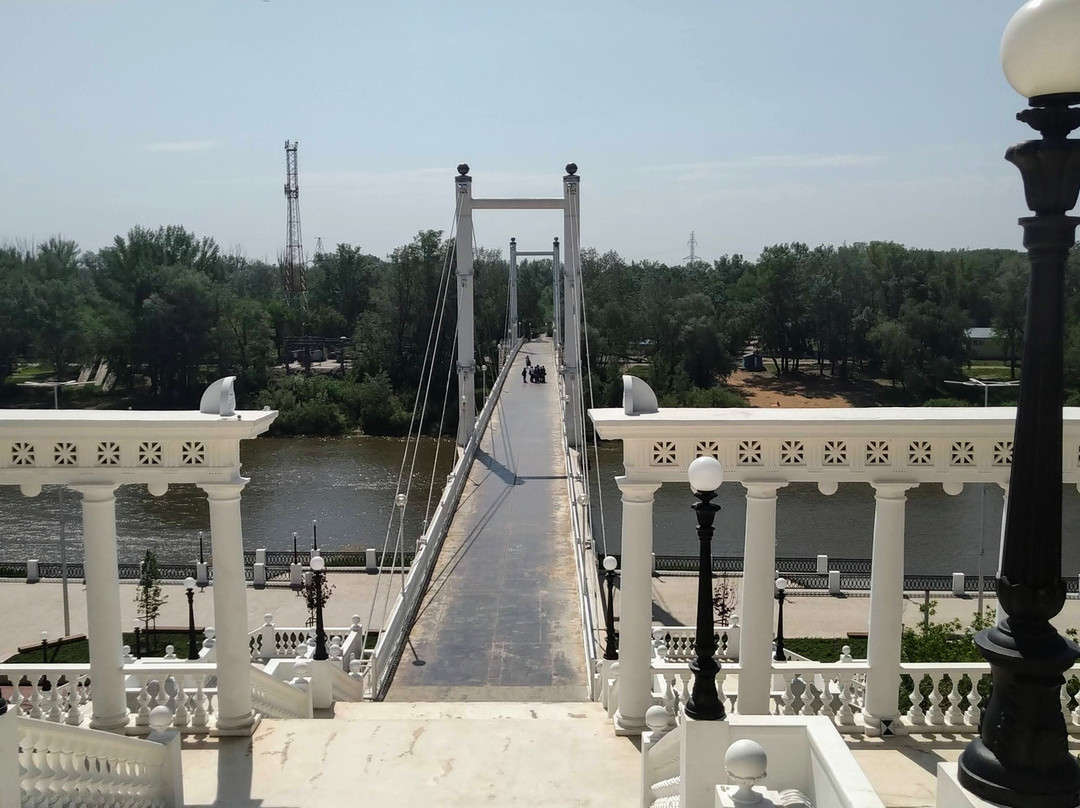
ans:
x=275 y=698
x=384 y=659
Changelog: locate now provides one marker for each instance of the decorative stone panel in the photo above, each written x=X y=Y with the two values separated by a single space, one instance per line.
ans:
x=707 y=448
x=192 y=453
x=749 y=453
x=920 y=453
x=836 y=453
x=962 y=453
x=65 y=454
x=22 y=454
x=792 y=453
x=877 y=453
x=108 y=453
x=1003 y=450
x=663 y=453
x=150 y=453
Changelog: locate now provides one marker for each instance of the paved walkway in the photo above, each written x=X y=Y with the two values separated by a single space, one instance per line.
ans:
x=500 y=619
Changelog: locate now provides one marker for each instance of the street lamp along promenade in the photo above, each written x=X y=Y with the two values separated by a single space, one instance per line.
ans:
x=1021 y=757
x=705 y=475
x=781 y=587
x=189 y=588
x=317 y=567
x=610 y=645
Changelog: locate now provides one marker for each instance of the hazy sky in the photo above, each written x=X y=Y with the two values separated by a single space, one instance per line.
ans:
x=750 y=123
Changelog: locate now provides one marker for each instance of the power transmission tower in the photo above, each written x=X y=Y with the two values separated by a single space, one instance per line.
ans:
x=293 y=267
x=318 y=246
x=692 y=244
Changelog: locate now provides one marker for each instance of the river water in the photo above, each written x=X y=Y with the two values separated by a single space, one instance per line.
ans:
x=348 y=486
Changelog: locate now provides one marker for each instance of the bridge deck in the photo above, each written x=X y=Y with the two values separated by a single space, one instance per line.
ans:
x=500 y=619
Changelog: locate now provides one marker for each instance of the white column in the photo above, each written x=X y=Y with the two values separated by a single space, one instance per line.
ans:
x=999 y=612
x=635 y=619
x=513 y=324
x=556 y=283
x=466 y=361
x=235 y=715
x=572 y=308
x=759 y=572
x=880 y=710
x=103 y=607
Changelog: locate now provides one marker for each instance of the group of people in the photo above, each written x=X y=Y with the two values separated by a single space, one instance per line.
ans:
x=537 y=374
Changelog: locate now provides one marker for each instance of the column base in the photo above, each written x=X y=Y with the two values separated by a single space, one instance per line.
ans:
x=239 y=725
x=628 y=725
x=110 y=723
x=888 y=726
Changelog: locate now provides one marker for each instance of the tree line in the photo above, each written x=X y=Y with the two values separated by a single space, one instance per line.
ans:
x=170 y=311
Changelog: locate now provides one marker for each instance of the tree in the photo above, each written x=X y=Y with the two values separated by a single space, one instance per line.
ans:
x=148 y=595
x=1009 y=300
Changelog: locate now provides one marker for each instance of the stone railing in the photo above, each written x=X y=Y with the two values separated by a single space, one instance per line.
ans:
x=660 y=762
x=61 y=765
x=679 y=643
x=347 y=686
x=56 y=693
x=180 y=686
x=275 y=698
x=285 y=642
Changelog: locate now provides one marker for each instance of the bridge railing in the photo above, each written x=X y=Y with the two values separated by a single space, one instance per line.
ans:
x=384 y=659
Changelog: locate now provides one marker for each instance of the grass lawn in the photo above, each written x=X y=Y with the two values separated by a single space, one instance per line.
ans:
x=78 y=652
x=826 y=649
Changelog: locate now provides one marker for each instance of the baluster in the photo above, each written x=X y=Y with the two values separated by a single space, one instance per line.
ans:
x=72 y=713
x=142 y=717
x=788 y=697
x=972 y=714
x=181 y=713
x=52 y=704
x=35 y=697
x=811 y=705
x=829 y=700
x=934 y=716
x=265 y=640
x=951 y=695
x=684 y=694
x=200 y=716
x=845 y=716
x=915 y=714
x=721 y=676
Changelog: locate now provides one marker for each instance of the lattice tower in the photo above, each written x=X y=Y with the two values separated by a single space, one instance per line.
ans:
x=692 y=244
x=293 y=265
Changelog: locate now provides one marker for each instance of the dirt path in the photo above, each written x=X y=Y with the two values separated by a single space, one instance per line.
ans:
x=764 y=389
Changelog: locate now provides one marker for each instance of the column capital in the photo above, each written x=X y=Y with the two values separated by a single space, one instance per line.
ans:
x=891 y=490
x=225 y=491
x=96 y=492
x=636 y=490
x=765 y=489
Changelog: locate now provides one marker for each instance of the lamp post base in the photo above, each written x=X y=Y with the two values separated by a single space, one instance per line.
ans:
x=704 y=703
x=1022 y=755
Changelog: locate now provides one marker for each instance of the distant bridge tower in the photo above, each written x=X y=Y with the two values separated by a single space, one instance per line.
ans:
x=318 y=246
x=293 y=267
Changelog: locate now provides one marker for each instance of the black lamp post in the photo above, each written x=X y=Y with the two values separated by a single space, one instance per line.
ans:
x=295 y=557
x=202 y=559
x=781 y=586
x=315 y=535
x=1021 y=756
x=45 y=647
x=705 y=475
x=192 y=648
x=138 y=642
x=610 y=647
x=317 y=567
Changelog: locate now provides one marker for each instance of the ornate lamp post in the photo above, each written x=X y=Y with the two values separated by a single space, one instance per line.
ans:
x=45 y=647
x=192 y=647
x=1021 y=756
x=705 y=475
x=138 y=642
x=317 y=567
x=781 y=586
x=610 y=650
x=315 y=535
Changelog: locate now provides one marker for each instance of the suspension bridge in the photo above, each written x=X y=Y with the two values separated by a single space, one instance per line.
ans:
x=500 y=600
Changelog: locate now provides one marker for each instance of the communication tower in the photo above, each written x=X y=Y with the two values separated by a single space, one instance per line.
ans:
x=293 y=267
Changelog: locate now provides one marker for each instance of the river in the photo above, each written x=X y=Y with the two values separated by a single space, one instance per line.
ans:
x=348 y=485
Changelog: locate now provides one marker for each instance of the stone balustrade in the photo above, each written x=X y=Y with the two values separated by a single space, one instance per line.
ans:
x=63 y=765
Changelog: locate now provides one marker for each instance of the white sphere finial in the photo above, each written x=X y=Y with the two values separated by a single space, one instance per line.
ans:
x=705 y=474
x=745 y=762
x=160 y=718
x=1040 y=48
x=610 y=563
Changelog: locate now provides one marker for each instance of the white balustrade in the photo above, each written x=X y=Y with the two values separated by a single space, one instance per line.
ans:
x=679 y=643
x=285 y=642
x=61 y=765
x=275 y=698
x=179 y=686
x=660 y=762
x=54 y=693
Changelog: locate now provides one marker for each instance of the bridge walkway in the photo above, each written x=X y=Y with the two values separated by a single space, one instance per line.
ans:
x=500 y=620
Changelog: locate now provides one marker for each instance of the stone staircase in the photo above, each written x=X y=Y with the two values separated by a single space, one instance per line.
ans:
x=423 y=753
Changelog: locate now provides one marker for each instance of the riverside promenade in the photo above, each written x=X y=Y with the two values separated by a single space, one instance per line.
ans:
x=499 y=620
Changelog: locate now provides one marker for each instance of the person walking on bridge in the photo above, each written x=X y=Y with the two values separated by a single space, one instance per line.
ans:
x=524 y=374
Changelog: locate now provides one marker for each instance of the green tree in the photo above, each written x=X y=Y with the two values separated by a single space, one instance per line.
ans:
x=148 y=595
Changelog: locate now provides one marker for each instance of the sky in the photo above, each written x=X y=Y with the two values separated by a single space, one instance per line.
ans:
x=748 y=123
